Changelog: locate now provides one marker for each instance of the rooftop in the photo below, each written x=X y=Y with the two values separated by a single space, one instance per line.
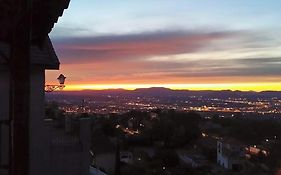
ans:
x=44 y=15
x=44 y=56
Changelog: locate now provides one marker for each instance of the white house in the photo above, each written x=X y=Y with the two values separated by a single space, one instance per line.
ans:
x=230 y=155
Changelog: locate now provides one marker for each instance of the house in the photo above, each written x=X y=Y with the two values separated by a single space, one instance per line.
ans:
x=126 y=157
x=230 y=154
x=52 y=148
x=193 y=160
x=42 y=57
x=257 y=150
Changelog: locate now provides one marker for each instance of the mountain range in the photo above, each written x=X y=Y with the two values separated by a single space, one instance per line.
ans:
x=165 y=92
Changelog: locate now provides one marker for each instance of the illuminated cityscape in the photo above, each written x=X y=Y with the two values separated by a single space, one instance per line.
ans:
x=144 y=87
x=121 y=102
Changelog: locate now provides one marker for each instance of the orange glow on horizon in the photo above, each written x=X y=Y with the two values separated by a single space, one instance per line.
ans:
x=222 y=86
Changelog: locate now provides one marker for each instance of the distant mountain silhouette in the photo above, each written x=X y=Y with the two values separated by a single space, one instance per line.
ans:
x=165 y=92
x=154 y=91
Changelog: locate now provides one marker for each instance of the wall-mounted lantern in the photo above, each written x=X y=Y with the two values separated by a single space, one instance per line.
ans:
x=51 y=88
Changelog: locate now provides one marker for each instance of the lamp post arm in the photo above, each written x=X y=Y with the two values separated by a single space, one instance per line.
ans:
x=51 y=88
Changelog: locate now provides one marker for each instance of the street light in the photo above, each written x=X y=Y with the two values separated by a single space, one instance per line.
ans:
x=51 y=88
x=61 y=79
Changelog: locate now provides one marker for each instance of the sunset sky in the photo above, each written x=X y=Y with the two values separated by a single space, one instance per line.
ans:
x=179 y=44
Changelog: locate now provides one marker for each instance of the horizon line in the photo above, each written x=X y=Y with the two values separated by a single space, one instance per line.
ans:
x=256 y=87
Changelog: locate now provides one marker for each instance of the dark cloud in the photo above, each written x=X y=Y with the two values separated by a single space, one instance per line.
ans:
x=224 y=67
x=137 y=46
x=126 y=58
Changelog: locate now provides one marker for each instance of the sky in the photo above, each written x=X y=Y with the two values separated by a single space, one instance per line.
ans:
x=178 y=44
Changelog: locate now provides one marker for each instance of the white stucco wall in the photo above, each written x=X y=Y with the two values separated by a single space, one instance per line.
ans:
x=38 y=155
x=221 y=159
x=38 y=140
x=42 y=161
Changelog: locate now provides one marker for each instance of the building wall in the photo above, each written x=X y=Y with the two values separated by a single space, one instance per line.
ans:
x=4 y=115
x=38 y=155
x=126 y=157
x=229 y=162
x=42 y=160
x=221 y=159
x=38 y=139
x=69 y=154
